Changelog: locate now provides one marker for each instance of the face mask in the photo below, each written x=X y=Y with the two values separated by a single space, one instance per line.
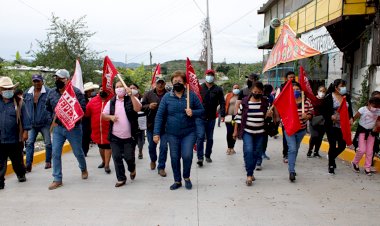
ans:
x=297 y=93
x=120 y=92
x=8 y=94
x=178 y=87
x=59 y=84
x=249 y=83
x=209 y=78
x=342 y=90
x=257 y=96
x=134 y=92
x=236 y=91
x=103 y=94
x=321 y=94
x=93 y=94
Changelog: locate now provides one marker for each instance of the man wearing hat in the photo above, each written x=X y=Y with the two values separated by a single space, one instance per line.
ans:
x=35 y=99
x=89 y=92
x=60 y=133
x=150 y=102
x=212 y=97
x=14 y=126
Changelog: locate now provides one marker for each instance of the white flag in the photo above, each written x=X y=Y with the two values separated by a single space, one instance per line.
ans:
x=77 y=79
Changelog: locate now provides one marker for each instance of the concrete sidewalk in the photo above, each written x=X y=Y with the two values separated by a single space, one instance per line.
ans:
x=219 y=195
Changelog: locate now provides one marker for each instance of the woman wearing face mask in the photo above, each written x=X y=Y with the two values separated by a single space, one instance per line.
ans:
x=231 y=98
x=250 y=127
x=334 y=97
x=180 y=127
x=142 y=121
x=317 y=125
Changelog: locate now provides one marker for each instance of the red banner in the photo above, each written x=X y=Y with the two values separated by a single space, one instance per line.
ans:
x=288 y=48
x=109 y=73
x=192 y=79
x=305 y=86
x=68 y=109
x=345 y=125
x=157 y=72
x=286 y=105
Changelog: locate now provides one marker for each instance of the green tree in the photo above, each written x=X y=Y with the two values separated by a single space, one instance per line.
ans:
x=140 y=76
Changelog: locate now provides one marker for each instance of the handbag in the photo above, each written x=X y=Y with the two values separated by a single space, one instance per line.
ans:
x=271 y=127
x=318 y=121
x=228 y=119
x=142 y=121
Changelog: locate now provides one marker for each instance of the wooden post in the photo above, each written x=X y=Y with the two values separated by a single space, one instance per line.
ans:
x=188 y=95
x=122 y=81
x=303 y=102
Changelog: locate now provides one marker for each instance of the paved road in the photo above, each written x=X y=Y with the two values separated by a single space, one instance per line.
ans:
x=219 y=195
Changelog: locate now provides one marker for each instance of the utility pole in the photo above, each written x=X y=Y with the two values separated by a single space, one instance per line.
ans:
x=209 y=45
x=150 y=61
x=126 y=62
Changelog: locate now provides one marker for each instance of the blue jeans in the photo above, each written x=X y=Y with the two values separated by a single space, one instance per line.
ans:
x=163 y=150
x=32 y=135
x=181 y=147
x=60 y=134
x=265 y=144
x=209 y=126
x=294 y=143
x=252 y=147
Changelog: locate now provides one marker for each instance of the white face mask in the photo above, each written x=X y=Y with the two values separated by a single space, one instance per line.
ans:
x=236 y=91
x=321 y=94
x=134 y=92
x=209 y=79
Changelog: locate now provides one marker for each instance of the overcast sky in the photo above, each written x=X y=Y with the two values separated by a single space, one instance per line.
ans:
x=170 y=29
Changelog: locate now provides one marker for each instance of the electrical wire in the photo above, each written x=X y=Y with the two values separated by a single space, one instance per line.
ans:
x=31 y=7
x=196 y=4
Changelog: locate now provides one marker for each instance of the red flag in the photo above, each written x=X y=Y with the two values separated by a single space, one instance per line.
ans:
x=192 y=79
x=68 y=109
x=286 y=105
x=109 y=73
x=345 y=122
x=305 y=86
x=157 y=72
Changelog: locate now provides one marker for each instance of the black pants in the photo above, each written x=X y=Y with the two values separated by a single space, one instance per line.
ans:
x=336 y=143
x=375 y=149
x=284 y=144
x=316 y=137
x=230 y=140
x=123 y=149
x=14 y=153
x=86 y=138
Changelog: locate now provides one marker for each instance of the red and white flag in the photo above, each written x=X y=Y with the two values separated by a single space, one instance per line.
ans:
x=305 y=86
x=157 y=72
x=192 y=79
x=109 y=73
x=77 y=79
x=68 y=109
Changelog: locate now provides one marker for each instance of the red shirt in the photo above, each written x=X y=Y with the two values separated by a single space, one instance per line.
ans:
x=99 y=127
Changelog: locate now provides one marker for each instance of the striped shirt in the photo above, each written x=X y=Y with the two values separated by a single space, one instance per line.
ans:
x=308 y=110
x=255 y=118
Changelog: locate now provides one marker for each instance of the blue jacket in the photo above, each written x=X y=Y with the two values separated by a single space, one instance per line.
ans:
x=172 y=110
x=9 y=129
x=39 y=116
x=53 y=98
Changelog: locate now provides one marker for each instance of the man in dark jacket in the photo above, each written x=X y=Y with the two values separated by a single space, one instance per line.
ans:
x=212 y=97
x=60 y=133
x=35 y=101
x=150 y=103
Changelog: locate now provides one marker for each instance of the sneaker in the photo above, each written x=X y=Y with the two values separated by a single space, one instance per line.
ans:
x=331 y=170
x=47 y=165
x=368 y=172
x=101 y=165
x=28 y=168
x=292 y=176
x=316 y=155
x=152 y=165
x=265 y=156
x=373 y=169
x=188 y=184
x=22 y=178
x=162 y=172
x=176 y=185
x=200 y=162
x=209 y=160
x=55 y=185
x=84 y=174
x=258 y=167
x=355 y=167
x=309 y=154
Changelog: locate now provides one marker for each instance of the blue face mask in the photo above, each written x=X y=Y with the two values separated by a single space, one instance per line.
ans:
x=297 y=94
x=8 y=94
x=236 y=91
x=209 y=78
x=342 y=90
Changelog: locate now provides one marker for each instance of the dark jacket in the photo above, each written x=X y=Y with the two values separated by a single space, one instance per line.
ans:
x=211 y=99
x=39 y=116
x=9 y=127
x=172 y=110
x=53 y=98
x=328 y=109
x=150 y=97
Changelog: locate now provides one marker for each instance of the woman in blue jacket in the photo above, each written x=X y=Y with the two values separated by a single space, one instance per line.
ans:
x=179 y=124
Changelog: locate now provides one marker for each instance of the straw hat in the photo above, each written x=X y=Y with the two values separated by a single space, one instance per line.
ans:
x=6 y=82
x=89 y=86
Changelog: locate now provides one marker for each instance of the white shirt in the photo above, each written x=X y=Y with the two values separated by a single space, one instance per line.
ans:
x=368 y=118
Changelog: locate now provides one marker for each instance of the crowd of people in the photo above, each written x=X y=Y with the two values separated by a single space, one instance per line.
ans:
x=179 y=121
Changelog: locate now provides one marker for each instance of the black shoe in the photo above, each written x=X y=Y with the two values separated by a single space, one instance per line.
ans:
x=101 y=165
x=28 y=168
x=107 y=170
x=21 y=179
x=208 y=160
x=176 y=185
x=309 y=154
x=331 y=170
x=292 y=177
x=2 y=186
x=355 y=167
x=188 y=184
x=316 y=154
x=200 y=162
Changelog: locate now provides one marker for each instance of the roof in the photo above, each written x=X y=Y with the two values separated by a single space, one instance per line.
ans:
x=266 y=6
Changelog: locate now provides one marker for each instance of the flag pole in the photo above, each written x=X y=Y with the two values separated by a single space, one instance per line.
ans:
x=303 y=101
x=122 y=81
x=188 y=95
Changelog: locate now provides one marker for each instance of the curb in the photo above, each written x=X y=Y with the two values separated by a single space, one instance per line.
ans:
x=38 y=158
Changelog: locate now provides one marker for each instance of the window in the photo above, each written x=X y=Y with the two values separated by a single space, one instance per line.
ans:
x=280 y=9
x=288 y=7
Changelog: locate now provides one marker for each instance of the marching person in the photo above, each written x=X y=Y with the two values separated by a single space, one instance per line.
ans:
x=89 y=93
x=212 y=96
x=231 y=99
x=150 y=103
x=251 y=78
x=14 y=126
x=60 y=133
x=179 y=123
x=141 y=132
x=100 y=128
x=121 y=111
x=35 y=101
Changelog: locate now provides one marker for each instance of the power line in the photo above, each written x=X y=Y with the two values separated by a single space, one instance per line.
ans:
x=196 y=4
x=31 y=7
x=237 y=20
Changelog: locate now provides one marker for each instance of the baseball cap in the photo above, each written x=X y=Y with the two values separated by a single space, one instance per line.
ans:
x=37 y=77
x=210 y=71
x=253 y=76
x=159 y=79
x=62 y=73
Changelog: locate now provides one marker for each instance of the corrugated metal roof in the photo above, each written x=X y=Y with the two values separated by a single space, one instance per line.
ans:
x=266 y=6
